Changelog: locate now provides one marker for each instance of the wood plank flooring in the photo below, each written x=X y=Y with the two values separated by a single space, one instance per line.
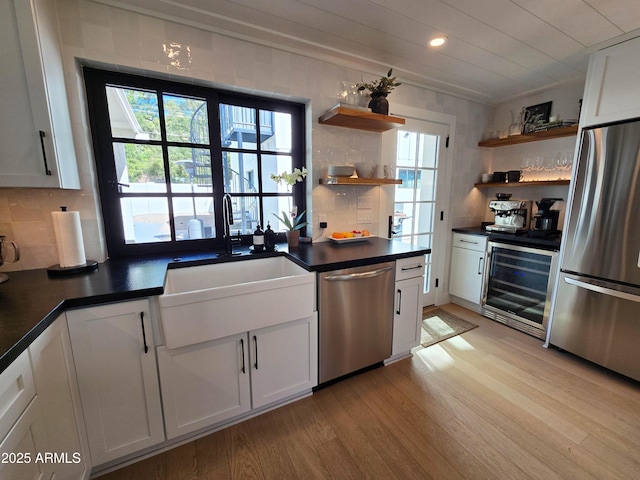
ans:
x=488 y=404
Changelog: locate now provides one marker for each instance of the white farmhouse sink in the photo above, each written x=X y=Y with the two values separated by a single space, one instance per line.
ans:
x=213 y=301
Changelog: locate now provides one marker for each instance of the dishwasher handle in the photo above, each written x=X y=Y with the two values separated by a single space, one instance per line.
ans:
x=357 y=276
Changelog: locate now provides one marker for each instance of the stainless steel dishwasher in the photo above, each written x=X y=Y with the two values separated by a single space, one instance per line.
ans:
x=356 y=318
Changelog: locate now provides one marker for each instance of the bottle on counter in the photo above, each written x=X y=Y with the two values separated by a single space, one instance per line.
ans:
x=269 y=239
x=258 y=239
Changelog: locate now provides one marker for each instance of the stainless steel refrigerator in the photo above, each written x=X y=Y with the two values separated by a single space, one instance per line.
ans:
x=596 y=312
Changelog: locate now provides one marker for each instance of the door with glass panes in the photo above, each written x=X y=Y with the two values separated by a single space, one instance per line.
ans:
x=417 y=203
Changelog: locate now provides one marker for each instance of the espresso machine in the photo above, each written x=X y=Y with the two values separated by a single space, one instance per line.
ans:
x=545 y=221
x=511 y=216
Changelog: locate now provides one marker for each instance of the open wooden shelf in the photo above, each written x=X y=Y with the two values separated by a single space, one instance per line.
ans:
x=359 y=119
x=545 y=183
x=359 y=181
x=531 y=137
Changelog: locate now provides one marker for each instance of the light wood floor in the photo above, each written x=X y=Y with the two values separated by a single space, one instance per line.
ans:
x=490 y=403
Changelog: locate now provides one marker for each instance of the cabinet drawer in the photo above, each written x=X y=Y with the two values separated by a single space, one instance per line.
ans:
x=16 y=391
x=409 y=267
x=470 y=242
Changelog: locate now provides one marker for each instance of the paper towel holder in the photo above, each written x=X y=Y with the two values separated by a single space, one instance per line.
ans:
x=58 y=270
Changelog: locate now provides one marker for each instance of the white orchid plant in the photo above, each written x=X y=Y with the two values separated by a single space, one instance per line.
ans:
x=293 y=221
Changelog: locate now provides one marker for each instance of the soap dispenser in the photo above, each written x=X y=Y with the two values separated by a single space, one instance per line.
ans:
x=269 y=239
x=258 y=239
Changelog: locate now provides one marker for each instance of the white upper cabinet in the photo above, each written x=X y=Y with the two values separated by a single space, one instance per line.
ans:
x=612 y=91
x=35 y=127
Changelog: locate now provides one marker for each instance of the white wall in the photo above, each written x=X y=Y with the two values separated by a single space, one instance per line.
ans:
x=101 y=35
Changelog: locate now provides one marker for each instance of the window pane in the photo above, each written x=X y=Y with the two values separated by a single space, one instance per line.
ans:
x=427 y=155
x=238 y=127
x=275 y=165
x=425 y=188
x=140 y=167
x=275 y=131
x=240 y=172
x=193 y=218
x=406 y=149
x=424 y=218
x=190 y=167
x=402 y=218
x=186 y=119
x=145 y=219
x=246 y=214
x=133 y=113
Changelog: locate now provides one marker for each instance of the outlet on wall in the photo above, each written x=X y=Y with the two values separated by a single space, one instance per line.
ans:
x=364 y=216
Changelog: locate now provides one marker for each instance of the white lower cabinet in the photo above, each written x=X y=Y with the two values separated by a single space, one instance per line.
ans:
x=407 y=313
x=468 y=257
x=115 y=360
x=57 y=391
x=22 y=445
x=210 y=382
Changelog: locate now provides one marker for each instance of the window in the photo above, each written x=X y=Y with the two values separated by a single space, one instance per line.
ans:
x=167 y=152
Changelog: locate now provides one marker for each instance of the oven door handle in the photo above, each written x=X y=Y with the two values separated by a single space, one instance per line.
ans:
x=603 y=290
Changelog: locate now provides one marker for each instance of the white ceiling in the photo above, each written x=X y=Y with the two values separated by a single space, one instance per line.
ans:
x=497 y=49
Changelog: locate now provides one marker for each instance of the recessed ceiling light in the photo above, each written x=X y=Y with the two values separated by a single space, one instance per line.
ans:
x=437 y=41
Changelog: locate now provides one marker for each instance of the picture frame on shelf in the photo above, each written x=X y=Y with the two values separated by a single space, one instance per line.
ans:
x=536 y=115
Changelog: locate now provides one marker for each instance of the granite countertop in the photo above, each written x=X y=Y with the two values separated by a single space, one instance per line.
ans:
x=525 y=238
x=31 y=300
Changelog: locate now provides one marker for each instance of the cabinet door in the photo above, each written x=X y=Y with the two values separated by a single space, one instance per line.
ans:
x=407 y=315
x=56 y=386
x=611 y=90
x=284 y=360
x=34 y=114
x=17 y=389
x=115 y=362
x=204 y=384
x=467 y=267
x=23 y=444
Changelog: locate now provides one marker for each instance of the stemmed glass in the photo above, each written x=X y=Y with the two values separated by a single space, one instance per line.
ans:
x=527 y=165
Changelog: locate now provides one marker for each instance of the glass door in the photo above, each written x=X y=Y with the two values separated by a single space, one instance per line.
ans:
x=420 y=154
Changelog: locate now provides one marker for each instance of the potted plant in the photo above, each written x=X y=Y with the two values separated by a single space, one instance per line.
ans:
x=378 y=91
x=293 y=223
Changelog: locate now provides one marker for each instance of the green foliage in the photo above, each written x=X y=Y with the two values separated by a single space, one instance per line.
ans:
x=385 y=85
x=297 y=222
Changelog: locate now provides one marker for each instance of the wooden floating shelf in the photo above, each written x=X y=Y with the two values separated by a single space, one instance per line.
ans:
x=531 y=137
x=359 y=181
x=359 y=119
x=545 y=183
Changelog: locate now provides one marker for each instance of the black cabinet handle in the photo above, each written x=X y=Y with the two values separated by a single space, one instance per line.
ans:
x=144 y=334
x=242 y=347
x=255 y=340
x=399 y=292
x=44 y=153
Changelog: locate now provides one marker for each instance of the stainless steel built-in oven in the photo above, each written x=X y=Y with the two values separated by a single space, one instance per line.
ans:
x=518 y=285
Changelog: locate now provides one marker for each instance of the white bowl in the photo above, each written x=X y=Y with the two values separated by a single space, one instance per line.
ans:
x=340 y=170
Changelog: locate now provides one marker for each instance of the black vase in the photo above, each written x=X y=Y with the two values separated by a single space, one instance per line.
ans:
x=379 y=103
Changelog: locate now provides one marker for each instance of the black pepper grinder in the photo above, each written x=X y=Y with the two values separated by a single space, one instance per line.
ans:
x=269 y=239
x=258 y=239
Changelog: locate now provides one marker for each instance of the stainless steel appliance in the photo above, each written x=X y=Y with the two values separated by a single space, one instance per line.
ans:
x=518 y=285
x=511 y=216
x=356 y=318
x=597 y=301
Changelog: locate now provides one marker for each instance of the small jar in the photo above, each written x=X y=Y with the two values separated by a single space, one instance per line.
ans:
x=258 y=239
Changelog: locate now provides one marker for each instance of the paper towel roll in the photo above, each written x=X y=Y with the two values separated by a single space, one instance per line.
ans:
x=66 y=226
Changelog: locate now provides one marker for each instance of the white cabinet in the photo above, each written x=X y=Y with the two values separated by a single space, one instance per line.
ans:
x=407 y=315
x=210 y=382
x=284 y=360
x=22 y=445
x=34 y=114
x=115 y=361
x=204 y=384
x=612 y=90
x=57 y=391
x=468 y=257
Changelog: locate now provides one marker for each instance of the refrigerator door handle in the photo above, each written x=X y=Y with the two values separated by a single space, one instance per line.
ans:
x=603 y=290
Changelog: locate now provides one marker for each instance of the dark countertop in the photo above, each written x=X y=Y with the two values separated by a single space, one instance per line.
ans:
x=526 y=238
x=31 y=300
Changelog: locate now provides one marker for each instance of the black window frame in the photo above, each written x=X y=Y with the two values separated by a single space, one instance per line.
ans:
x=96 y=82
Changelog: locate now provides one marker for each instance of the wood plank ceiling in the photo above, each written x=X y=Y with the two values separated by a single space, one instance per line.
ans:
x=496 y=50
